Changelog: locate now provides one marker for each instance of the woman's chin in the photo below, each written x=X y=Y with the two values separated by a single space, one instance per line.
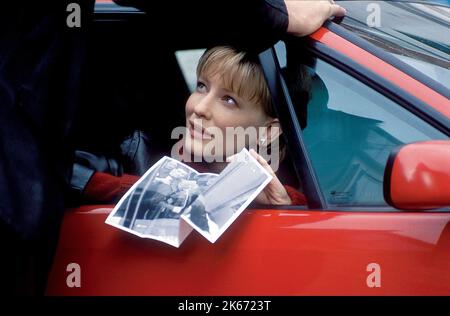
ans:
x=205 y=150
x=198 y=154
x=193 y=148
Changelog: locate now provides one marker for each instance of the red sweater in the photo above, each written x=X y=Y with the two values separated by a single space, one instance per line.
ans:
x=106 y=188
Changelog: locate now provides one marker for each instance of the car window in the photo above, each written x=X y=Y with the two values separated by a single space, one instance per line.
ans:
x=350 y=131
x=415 y=33
x=188 y=60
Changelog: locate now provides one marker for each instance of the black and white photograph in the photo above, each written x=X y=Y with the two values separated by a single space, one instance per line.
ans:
x=152 y=208
x=171 y=198
x=223 y=201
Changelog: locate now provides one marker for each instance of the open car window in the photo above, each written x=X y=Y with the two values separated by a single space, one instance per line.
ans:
x=350 y=128
x=187 y=61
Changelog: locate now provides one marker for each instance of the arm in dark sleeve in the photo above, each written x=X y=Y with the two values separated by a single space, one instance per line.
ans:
x=98 y=179
x=249 y=24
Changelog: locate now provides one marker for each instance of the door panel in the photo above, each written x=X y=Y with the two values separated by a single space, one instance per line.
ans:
x=266 y=252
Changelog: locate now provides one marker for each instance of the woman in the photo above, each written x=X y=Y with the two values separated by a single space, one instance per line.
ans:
x=231 y=95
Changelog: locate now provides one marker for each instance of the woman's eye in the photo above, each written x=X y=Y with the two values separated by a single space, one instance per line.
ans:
x=201 y=87
x=229 y=100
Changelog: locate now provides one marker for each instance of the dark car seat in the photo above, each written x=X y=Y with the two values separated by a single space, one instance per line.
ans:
x=133 y=95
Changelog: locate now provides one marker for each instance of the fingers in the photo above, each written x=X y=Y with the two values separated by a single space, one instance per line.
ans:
x=262 y=161
x=274 y=193
x=305 y=17
x=255 y=155
x=337 y=10
x=258 y=158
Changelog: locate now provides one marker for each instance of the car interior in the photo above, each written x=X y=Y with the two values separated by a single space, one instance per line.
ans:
x=129 y=84
x=135 y=81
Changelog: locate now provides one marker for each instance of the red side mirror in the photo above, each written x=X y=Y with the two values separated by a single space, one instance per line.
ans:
x=417 y=176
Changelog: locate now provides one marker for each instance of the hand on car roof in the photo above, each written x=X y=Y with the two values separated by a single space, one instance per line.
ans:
x=307 y=16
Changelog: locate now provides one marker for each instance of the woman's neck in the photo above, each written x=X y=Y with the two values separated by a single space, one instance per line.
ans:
x=216 y=167
x=213 y=167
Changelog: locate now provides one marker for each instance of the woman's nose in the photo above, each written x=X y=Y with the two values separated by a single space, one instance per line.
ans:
x=203 y=106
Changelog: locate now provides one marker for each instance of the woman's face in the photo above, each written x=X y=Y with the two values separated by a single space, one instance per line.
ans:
x=211 y=107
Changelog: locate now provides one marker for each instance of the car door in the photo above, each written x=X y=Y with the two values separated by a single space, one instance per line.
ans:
x=352 y=125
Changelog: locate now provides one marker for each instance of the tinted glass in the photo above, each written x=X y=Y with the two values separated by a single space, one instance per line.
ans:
x=350 y=131
x=416 y=33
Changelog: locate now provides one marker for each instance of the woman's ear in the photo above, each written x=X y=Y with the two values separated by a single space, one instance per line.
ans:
x=272 y=132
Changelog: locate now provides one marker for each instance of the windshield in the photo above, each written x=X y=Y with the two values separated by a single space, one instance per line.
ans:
x=416 y=33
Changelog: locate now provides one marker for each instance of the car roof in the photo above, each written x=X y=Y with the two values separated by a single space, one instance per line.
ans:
x=402 y=39
x=419 y=27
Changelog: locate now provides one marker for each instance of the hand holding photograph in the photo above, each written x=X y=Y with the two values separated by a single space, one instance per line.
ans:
x=171 y=199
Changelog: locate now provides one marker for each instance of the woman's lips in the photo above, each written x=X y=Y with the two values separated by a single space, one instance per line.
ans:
x=198 y=132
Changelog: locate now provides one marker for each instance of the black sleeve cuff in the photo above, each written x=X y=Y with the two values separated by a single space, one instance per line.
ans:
x=80 y=178
x=277 y=16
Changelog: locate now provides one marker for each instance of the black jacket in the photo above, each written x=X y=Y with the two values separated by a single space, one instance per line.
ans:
x=40 y=61
x=246 y=24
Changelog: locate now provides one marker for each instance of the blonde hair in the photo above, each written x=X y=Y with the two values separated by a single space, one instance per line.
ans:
x=241 y=73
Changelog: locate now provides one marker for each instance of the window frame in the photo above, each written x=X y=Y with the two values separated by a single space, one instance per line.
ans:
x=389 y=58
x=294 y=136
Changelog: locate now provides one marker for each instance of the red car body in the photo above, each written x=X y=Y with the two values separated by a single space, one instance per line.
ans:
x=272 y=251
x=265 y=252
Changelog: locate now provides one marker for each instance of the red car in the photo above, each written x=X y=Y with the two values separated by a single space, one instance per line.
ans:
x=373 y=161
